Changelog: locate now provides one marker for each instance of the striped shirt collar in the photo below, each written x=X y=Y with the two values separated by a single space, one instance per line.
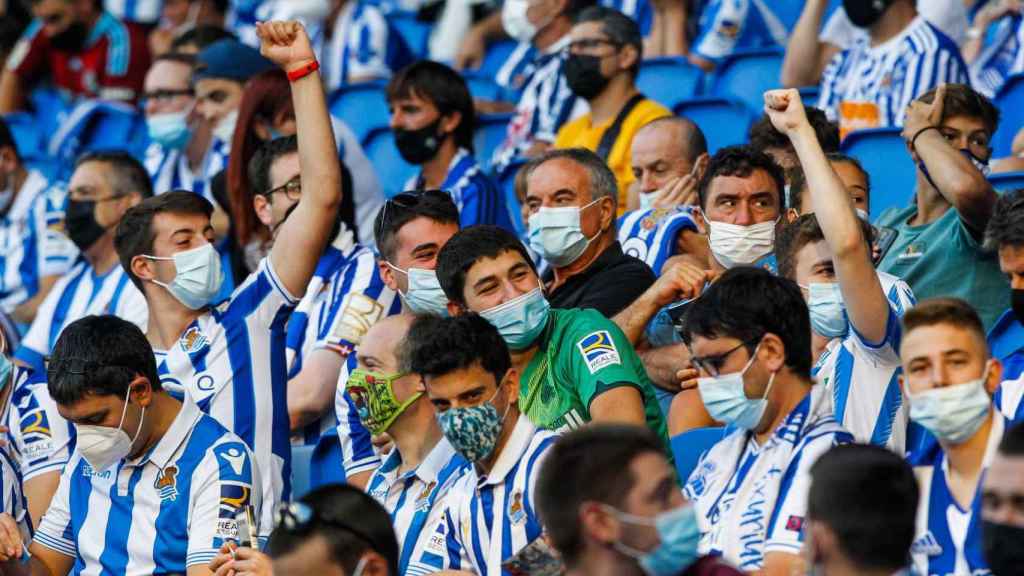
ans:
x=887 y=46
x=175 y=436
x=511 y=453
x=558 y=46
x=428 y=470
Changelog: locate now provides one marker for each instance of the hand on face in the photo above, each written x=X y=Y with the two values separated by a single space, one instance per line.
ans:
x=921 y=115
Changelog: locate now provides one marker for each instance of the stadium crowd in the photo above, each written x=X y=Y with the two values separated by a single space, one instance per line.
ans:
x=512 y=287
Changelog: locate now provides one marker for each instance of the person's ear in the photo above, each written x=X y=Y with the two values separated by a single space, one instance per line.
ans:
x=8 y=160
x=455 y=309
x=994 y=377
x=263 y=208
x=510 y=384
x=607 y=212
x=791 y=215
x=261 y=128
x=143 y=268
x=628 y=57
x=387 y=275
x=772 y=353
x=450 y=122
x=822 y=541
x=701 y=166
x=597 y=524
x=140 y=391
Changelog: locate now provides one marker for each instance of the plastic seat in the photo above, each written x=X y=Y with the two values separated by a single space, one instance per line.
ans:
x=1009 y=100
x=669 y=80
x=28 y=136
x=302 y=457
x=506 y=180
x=482 y=87
x=93 y=126
x=415 y=33
x=788 y=11
x=689 y=446
x=48 y=107
x=724 y=122
x=490 y=133
x=747 y=75
x=884 y=155
x=392 y=169
x=495 y=57
x=810 y=95
x=325 y=465
x=364 y=107
x=1007 y=181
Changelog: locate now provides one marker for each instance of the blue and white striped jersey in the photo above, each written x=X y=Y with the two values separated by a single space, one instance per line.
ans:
x=1001 y=56
x=475 y=195
x=948 y=539
x=358 y=454
x=345 y=297
x=363 y=46
x=870 y=87
x=863 y=377
x=167 y=510
x=751 y=499
x=1009 y=399
x=12 y=478
x=231 y=362
x=514 y=73
x=730 y=25
x=168 y=169
x=79 y=293
x=32 y=241
x=216 y=161
x=651 y=234
x=491 y=516
x=545 y=105
x=640 y=11
x=142 y=11
x=417 y=500
x=41 y=439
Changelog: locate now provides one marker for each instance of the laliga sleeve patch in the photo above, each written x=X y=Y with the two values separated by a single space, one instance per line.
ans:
x=359 y=312
x=598 y=350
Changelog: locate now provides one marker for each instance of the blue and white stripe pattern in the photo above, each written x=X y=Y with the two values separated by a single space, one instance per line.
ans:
x=32 y=242
x=893 y=74
x=168 y=169
x=475 y=195
x=12 y=473
x=41 y=439
x=491 y=517
x=729 y=25
x=863 y=376
x=948 y=539
x=1009 y=399
x=142 y=11
x=358 y=454
x=79 y=293
x=231 y=362
x=361 y=46
x=170 y=509
x=751 y=499
x=1001 y=56
x=651 y=234
x=513 y=74
x=215 y=162
x=417 y=501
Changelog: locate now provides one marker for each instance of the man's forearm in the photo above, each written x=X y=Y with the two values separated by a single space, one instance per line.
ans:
x=663 y=363
x=634 y=319
x=318 y=158
x=956 y=178
x=802 y=63
x=10 y=92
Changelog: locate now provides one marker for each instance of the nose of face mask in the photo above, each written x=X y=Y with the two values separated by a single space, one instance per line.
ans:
x=473 y=431
x=726 y=401
x=169 y=130
x=583 y=74
x=425 y=295
x=864 y=13
x=952 y=413
x=678 y=535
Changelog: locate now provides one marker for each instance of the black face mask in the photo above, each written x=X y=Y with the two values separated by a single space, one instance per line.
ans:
x=1004 y=548
x=864 y=13
x=583 y=73
x=80 y=221
x=1017 y=304
x=71 y=39
x=419 y=146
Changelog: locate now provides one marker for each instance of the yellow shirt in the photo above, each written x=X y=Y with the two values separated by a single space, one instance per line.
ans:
x=581 y=133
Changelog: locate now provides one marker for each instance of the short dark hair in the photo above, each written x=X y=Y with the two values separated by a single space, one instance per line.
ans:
x=264 y=158
x=178 y=57
x=746 y=303
x=128 y=174
x=7 y=139
x=602 y=179
x=466 y=248
x=437 y=346
x=741 y=161
x=619 y=28
x=798 y=180
x=763 y=134
x=801 y=232
x=951 y=311
x=1006 y=226
x=351 y=522
x=574 y=7
x=588 y=464
x=134 y=236
x=201 y=36
x=962 y=100
x=99 y=355
x=1012 y=443
x=406 y=207
x=444 y=88
x=874 y=519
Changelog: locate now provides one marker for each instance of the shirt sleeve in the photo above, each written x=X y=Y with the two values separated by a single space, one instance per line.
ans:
x=56 y=252
x=720 y=28
x=127 y=60
x=358 y=454
x=226 y=483
x=828 y=99
x=359 y=300
x=36 y=343
x=132 y=306
x=28 y=59
x=600 y=358
x=368 y=45
x=262 y=296
x=55 y=530
x=41 y=436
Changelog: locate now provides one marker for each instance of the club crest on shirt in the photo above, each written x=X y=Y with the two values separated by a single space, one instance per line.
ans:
x=728 y=29
x=423 y=500
x=913 y=251
x=516 y=512
x=193 y=340
x=167 y=483
x=927 y=545
x=598 y=350
x=358 y=313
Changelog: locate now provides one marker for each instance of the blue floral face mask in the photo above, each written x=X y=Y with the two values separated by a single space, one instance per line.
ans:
x=473 y=431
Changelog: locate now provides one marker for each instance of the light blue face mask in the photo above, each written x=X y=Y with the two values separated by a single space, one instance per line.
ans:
x=555 y=234
x=520 y=320
x=828 y=311
x=952 y=413
x=726 y=401
x=424 y=295
x=679 y=535
x=170 y=130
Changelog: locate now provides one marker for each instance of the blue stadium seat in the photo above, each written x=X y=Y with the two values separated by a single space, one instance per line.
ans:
x=325 y=466
x=302 y=457
x=495 y=57
x=490 y=133
x=48 y=106
x=93 y=126
x=28 y=136
x=810 y=95
x=788 y=11
x=506 y=181
x=363 y=107
x=884 y=155
x=392 y=170
x=482 y=87
x=1009 y=100
x=1007 y=181
x=724 y=122
x=415 y=33
x=689 y=446
x=746 y=75
x=669 y=80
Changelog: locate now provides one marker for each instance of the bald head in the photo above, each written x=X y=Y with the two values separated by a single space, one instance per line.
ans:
x=380 y=349
x=664 y=150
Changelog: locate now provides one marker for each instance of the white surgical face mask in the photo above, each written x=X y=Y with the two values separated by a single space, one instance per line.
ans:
x=198 y=277
x=556 y=234
x=734 y=245
x=225 y=128
x=647 y=199
x=424 y=295
x=103 y=446
x=952 y=413
x=515 y=21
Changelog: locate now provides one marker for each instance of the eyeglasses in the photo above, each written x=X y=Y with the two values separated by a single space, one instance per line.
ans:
x=713 y=363
x=298 y=518
x=164 y=96
x=407 y=200
x=292 y=189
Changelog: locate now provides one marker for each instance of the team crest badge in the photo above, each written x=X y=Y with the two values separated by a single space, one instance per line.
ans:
x=167 y=483
x=193 y=340
x=423 y=500
x=598 y=350
x=516 y=513
x=927 y=545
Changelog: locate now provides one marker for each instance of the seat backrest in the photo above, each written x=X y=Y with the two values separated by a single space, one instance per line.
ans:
x=415 y=33
x=689 y=446
x=392 y=169
x=669 y=80
x=482 y=87
x=93 y=126
x=302 y=457
x=325 y=464
x=490 y=133
x=364 y=107
x=724 y=122
x=495 y=56
x=506 y=180
x=884 y=155
x=28 y=137
x=746 y=75
x=1007 y=181
x=1009 y=100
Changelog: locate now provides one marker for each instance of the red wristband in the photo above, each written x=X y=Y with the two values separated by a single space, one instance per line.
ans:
x=304 y=71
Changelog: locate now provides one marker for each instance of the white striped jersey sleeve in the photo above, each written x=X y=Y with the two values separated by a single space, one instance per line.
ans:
x=358 y=454
x=42 y=439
